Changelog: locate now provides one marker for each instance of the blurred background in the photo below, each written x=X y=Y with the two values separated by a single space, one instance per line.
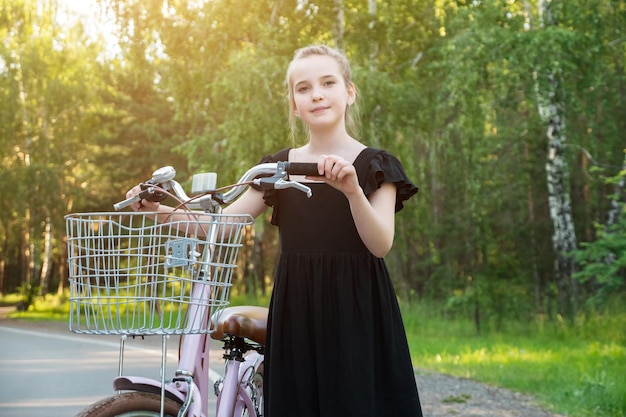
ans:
x=509 y=116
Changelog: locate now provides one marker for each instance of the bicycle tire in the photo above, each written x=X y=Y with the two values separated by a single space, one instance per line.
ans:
x=131 y=404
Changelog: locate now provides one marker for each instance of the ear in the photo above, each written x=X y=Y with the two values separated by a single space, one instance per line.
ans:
x=351 y=94
x=294 y=108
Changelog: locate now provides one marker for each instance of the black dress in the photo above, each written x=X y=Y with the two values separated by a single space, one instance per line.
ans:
x=336 y=345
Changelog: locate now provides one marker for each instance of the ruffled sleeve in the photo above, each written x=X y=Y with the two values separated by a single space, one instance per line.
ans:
x=378 y=167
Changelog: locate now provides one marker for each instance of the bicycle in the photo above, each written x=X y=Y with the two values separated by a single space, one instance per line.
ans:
x=133 y=276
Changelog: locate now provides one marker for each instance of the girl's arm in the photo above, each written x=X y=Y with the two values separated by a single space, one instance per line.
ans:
x=374 y=217
x=251 y=202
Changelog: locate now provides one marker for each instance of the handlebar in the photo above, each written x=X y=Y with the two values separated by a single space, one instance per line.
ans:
x=267 y=176
x=302 y=168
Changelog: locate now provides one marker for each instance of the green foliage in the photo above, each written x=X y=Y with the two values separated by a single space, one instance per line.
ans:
x=28 y=293
x=46 y=308
x=449 y=87
x=49 y=87
x=603 y=261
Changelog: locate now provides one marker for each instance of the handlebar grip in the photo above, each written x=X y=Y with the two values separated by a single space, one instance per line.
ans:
x=302 y=168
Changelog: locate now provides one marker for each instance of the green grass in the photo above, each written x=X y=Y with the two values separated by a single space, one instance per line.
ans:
x=10 y=300
x=577 y=369
x=47 y=308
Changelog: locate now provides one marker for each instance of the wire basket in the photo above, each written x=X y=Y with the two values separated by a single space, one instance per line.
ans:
x=132 y=276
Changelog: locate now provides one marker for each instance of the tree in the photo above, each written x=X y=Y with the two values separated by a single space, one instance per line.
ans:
x=52 y=89
x=603 y=261
x=551 y=109
x=464 y=93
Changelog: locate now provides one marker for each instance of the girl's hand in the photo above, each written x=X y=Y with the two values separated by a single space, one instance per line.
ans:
x=143 y=205
x=338 y=173
x=374 y=214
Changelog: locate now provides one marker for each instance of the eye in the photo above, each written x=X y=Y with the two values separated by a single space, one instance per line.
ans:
x=302 y=89
x=329 y=83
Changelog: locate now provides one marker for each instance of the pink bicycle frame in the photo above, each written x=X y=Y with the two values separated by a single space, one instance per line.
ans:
x=191 y=377
x=234 y=386
x=191 y=388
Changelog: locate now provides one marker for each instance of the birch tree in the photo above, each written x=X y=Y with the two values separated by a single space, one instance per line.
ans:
x=48 y=83
x=551 y=107
x=617 y=203
x=339 y=25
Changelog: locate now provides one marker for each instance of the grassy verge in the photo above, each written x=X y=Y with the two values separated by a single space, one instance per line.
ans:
x=48 y=308
x=10 y=300
x=578 y=369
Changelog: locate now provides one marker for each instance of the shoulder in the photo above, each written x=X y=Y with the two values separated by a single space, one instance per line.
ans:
x=282 y=155
x=380 y=158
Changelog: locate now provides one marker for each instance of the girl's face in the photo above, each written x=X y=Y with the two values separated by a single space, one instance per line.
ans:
x=319 y=91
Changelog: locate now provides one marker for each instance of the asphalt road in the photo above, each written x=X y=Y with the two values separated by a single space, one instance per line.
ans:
x=48 y=371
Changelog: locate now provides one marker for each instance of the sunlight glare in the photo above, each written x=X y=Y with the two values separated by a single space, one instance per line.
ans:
x=99 y=23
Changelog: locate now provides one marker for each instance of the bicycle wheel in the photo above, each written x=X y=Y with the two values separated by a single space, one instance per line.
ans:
x=131 y=404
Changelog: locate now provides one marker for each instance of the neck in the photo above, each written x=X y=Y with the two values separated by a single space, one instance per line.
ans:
x=341 y=144
x=329 y=141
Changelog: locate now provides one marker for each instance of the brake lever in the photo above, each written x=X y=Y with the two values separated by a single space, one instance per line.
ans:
x=278 y=182
x=281 y=184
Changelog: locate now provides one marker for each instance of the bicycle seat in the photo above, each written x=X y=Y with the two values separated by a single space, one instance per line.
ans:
x=241 y=321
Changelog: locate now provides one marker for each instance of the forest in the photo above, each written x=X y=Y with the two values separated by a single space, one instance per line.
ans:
x=509 y=115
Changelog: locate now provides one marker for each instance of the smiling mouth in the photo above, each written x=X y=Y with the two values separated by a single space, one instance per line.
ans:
x=319 y=109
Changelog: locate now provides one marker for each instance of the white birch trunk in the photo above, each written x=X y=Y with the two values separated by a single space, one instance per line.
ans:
x=373 y=14
x=339 y=24
x=552 y=111
x=44 y=277
x=372 y=11
x=27 y=247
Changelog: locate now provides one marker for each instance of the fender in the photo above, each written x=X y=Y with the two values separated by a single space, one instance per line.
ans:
x=251 y=363
x=142 y=384
x=242 y=398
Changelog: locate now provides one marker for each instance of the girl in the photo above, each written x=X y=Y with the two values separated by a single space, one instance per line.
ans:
x=336 y=345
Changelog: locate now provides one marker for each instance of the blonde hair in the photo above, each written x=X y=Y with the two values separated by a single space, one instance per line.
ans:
x=352 y=112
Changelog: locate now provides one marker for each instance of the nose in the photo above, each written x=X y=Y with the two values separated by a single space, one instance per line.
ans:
x=317 y=95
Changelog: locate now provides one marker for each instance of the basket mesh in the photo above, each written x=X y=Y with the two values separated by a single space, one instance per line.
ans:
x=130 y=275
